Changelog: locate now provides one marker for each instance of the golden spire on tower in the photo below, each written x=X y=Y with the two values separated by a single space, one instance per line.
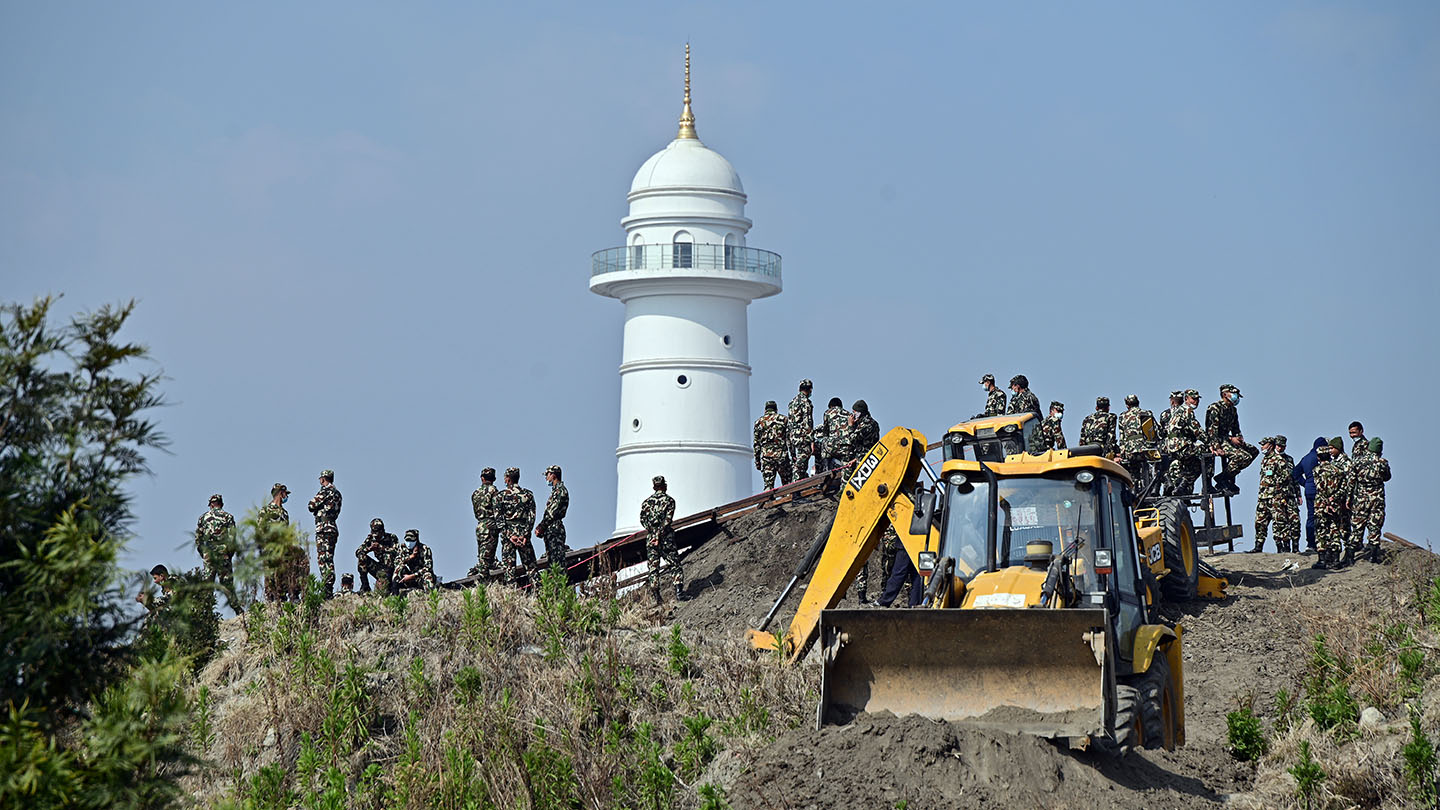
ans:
x=687 y=118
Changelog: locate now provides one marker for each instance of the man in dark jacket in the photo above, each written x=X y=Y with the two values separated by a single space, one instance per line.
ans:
x=1304 y=477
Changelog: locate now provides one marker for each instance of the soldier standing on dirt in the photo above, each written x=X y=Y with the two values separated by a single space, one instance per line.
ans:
x=657 y=514
x=830 y=436
x=772 y=453
x=1371 y=471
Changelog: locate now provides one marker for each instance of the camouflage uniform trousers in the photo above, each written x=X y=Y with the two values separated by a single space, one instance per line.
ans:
x=513 y=557
x=1367 y=513
x=1330 y=531
x=1237 y=457
x=888 y=548
x=326 y=536
x=487 y=541
x=554 y=539
x=800 y=461
x=770 y=466
x=662 y=548
x=285 y=577
x=382 y=570
x=217 y=559
x=1285 y=512
x=1181 y=475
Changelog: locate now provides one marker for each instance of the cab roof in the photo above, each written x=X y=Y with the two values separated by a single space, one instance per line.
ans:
x=973 y=426
x=1051 y=461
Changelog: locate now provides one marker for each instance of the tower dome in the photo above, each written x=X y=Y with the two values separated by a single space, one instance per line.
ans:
x=687 y=164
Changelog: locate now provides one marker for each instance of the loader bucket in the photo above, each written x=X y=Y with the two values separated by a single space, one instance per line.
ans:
x=1036 y=671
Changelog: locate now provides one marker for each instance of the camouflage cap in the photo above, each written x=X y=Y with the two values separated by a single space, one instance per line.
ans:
x=1177 y=394
x=377 y=523
x=1337 y=443
x=1377 y=445
x=658 y=481
x=990 y=378
x=279 y=488
x=770 y=405
x=806 y=385
x=488 y=472
x=1264 y=440
x=1131 y=399
x=1056 y=405
x=1020 y=380
x=1279 y=439
x=217 y=499
x=1192 y=393
x=1230 y=388
x=1102 y=402
x=328 y=474
x=553 y=468
x=512 y=472
x=412 y=534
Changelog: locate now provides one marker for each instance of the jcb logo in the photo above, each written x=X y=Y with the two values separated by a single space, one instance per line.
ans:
x=1157 y=552
x=867 y=468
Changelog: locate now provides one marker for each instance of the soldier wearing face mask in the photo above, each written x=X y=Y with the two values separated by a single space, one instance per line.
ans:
x=1222 y=430
x=416 y=567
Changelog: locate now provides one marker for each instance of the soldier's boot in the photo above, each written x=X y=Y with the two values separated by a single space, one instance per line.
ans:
x=1347 y=560
x=1374 y=554
x=364 y=581
x=655 y=592
x=861 y=596
x=680 y=595
x=1323 y=561
x=1260 y=547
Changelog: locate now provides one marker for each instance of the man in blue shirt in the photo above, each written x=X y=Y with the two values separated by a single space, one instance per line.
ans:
x=1304 y=476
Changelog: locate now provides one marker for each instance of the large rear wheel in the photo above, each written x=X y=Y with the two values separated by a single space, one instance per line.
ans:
x=1181 y=557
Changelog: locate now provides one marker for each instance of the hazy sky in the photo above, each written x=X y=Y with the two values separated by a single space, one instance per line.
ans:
x=360 y=233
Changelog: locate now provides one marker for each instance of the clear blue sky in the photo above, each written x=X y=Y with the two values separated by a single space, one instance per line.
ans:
x=360 y=233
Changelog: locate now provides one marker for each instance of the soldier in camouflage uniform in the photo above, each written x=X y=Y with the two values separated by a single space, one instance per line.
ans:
x=1177 y=404
x=1133 y=448
x=1024 y=400
x=1371 y=471
x=801 y=429
x=484 y=501
x=830 y=436
x=1050 y=435
x=1265 y=495
x=325 y=506
x=551 y=528
x=215 y=540
x=889 y=546
x=376 y=557
x=1285 y=505
x=861 y=432
x=1361 y=445
x=772 y=453
x=1099 y=428
x=1222 y=431
x=656 y=515
x=516 y=507
x=1182 y=444
x=284 y=560
x=994 y=396
x=415 y=566
x=1332 y=506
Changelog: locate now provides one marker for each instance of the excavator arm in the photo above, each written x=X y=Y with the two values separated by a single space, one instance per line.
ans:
x=874 y=492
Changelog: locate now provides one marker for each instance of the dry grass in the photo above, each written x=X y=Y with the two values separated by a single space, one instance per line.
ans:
x=540 y=704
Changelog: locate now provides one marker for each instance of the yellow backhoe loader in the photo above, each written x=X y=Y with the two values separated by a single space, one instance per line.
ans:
x=1042 y=589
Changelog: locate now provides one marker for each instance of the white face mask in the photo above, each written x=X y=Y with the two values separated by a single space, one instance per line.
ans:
x=410 y=544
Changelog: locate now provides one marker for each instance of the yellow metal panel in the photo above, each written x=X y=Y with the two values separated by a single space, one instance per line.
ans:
x=996 y=422
x=1014 y=587
x=1026 y=464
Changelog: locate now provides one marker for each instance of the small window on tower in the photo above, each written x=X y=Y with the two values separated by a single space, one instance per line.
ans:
x=637 y=257
x=681 y=254
x=683 y=381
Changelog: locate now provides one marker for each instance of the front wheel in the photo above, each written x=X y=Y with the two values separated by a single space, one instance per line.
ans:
x=1181 y=557
x=1152 y=711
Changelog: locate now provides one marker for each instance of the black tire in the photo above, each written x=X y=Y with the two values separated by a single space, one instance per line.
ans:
x=1127 y=732
x=1181 y=556
x=1152 y=718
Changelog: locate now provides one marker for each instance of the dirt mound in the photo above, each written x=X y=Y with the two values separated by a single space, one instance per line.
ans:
x=744 y=564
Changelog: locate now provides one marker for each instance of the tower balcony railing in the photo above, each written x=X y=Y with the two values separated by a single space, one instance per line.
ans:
x=685 y=256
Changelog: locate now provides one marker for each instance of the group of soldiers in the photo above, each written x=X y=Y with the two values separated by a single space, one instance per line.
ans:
x=505 y=520
x=784 y=445
x=1345 y=497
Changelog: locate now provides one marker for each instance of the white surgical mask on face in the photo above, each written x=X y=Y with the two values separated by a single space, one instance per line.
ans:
x=410 y=544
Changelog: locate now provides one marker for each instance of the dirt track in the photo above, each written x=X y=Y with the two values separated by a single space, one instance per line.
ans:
x=1253 y=642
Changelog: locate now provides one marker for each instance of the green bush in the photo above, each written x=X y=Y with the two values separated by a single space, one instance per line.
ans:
x=679 y=653
x=549 y=774
x=1419 y=755
x=696 y=748
x=1308 y=774
x=1329 y=701
x=712 y=797
x=1246 y=734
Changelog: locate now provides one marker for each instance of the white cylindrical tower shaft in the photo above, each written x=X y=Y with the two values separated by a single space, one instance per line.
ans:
x=686 y=277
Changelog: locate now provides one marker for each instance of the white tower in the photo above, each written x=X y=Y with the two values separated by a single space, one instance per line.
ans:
x=686 y=278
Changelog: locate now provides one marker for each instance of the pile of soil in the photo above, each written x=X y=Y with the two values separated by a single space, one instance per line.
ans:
x=1252 y=643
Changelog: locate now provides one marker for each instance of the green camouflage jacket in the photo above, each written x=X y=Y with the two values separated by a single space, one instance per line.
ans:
x=325 y=506
x=1049 y=436
x=215 y=529
x=1360 y=448
x=416 y=561
x=1024 y=402
x=862 y=435
x=770 y=436
x=1332 y=487
x=802 y=420
x=384 y=547
x=1184 y=436
x=831 y=433
x=995 y=402
x=1099 y=428
x=517 y=511
x=1132 y=434
x=555 y=507
x=656 y=515
x=484 y=500
x=1370 y=472
x=1222 y=421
